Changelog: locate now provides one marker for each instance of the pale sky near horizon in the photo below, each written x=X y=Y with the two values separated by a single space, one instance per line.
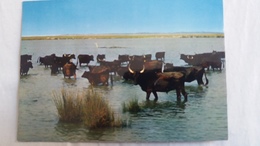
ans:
x=56 y=17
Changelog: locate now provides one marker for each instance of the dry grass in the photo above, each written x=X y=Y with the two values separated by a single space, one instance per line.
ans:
x=88 y=107
x=69 y=105
x=97 y=112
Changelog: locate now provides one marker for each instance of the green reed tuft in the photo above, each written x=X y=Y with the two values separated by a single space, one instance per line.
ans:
x=132 y=106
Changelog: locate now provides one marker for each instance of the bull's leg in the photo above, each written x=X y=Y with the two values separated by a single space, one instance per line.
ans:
x=148 y=95
x=178 y=95
x=184 y=93
x=155 y=95
x=75 y=76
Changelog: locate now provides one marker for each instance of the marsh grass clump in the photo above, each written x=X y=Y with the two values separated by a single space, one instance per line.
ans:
x=68 y=104
x=87 y=107
x=132 y=106
x=97 y=113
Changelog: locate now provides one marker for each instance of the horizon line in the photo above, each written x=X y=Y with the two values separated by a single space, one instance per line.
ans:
x=139 y=33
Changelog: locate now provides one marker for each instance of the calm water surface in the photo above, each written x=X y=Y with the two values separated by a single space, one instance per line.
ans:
x=202 y=118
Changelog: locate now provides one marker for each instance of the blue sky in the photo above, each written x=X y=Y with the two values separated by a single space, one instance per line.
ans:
x=57 y=17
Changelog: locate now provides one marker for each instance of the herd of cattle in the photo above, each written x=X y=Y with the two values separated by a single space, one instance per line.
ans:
x=152 y=75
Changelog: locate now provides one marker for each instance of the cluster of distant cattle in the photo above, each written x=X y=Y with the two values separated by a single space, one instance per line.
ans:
x=117 y=66
x=151 y=75
x=211 y=60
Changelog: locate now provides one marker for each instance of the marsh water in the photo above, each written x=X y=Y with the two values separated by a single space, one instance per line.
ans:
x=202 y=118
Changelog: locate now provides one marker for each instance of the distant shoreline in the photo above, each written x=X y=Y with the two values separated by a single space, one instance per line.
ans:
x=125 y=36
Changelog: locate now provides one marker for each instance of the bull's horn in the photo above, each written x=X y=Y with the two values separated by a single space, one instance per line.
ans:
x=131 y=71
x=142 y=71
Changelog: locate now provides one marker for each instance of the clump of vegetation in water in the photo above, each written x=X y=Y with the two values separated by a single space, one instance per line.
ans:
x=132 y=106
x=69 y=105
x=86 y=107
x=97 y=113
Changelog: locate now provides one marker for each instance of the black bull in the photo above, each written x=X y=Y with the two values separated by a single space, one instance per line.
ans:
x=100 y=58
x=25 y=58
x=159 y=55
x=153 y=82
x=85 y=58
x=123 y=58
x=24 y=68
x=154 y=65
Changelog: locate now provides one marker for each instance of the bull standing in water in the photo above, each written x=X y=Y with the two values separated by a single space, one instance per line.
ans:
x=69 y=69
x=24 y=68
x=152 y=81
x=25 y=64
x=97 y=75
x=191 y=73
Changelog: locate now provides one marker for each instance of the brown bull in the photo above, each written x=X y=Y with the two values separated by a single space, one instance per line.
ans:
x=97 y=75
x=69 y=69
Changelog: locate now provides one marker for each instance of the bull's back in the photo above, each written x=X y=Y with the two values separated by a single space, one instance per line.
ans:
x=168 y=81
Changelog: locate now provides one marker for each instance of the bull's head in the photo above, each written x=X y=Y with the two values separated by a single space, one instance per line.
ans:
x=29 y=63
x=136 y=74
x=198 y=73
x=89 y=76
x=189 y=56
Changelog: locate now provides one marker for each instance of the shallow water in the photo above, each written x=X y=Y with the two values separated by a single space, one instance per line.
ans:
x=203 y=117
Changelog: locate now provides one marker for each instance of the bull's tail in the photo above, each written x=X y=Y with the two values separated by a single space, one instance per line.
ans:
x=38 y=59
x=207 y=81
